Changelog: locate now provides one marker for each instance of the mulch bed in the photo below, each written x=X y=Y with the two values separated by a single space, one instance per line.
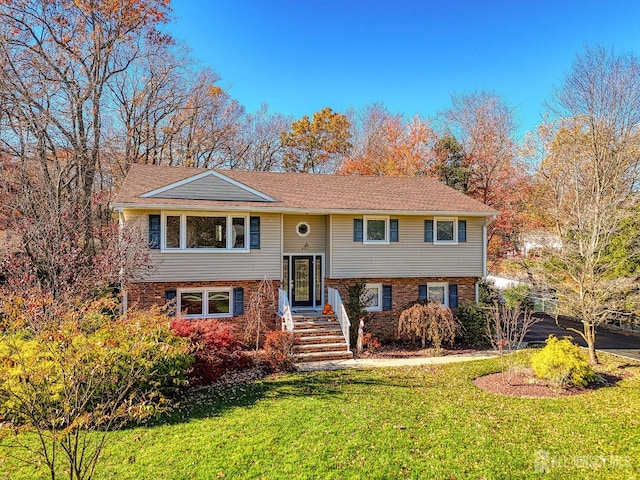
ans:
x=524 y=384
x=411 y=351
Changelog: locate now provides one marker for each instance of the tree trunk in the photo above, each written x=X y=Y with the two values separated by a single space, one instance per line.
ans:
x=590 y=338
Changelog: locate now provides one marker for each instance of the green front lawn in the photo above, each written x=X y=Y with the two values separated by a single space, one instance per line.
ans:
x=421 y=422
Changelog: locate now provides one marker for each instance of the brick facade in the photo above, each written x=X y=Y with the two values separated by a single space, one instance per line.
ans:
x=381 y=324
x=149 y=294
x=404 y=290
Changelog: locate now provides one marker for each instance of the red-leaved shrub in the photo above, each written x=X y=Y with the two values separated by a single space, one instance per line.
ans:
x=278 y=347
x=215 y=347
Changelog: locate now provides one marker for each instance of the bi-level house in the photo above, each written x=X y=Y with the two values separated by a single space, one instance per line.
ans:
x=214 y=235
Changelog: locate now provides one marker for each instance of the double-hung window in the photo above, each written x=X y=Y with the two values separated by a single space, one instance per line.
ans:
x=189 y=232
x=373 y=296
x=376 y=230
x=438 y=292
x=213 y=302
x=445 y=230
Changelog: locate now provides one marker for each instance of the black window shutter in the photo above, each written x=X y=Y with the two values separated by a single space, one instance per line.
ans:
x=422 y=293
x=462 y=230
x=386 y=297
x=393 y=229
x=254 y=233
x=238 y=301
x=169 y=296
x=357 y=230
x=453 y=295
x=428 y=231
x=154 y=231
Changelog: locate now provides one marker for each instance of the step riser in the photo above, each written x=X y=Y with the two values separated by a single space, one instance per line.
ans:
x=317 y=333
x=319 y=340
x=323 y=357
x=306 y=326
x=319 y=348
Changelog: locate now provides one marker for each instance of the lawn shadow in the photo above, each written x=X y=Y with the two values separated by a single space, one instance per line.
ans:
x=214 y=401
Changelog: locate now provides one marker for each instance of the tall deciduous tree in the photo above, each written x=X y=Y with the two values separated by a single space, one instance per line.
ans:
x=590 y=176
x=258 y=145
x=484 y=124
x=56 y=60
x=388 y=145
x=316 y=144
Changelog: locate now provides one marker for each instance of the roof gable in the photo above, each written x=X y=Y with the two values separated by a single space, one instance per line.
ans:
x=210 y=185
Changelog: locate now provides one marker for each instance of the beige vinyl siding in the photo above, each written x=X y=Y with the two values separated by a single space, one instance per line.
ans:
x=411 y=256
x=210 y=188
x=213 y=266
x=315 y=242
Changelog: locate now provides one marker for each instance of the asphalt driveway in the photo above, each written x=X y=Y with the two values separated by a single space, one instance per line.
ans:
x=606 y=340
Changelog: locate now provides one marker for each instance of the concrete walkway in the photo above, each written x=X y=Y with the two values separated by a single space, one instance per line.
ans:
x=393 y=362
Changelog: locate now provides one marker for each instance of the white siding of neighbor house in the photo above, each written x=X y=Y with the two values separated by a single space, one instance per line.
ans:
x=211 y=266
x=411 y=256
x=313 y=243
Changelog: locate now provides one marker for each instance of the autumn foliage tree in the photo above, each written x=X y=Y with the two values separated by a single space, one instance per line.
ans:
x=483 y=123
x=388 y=145
x=56 y=62
x=589 y=178
x=316 y=144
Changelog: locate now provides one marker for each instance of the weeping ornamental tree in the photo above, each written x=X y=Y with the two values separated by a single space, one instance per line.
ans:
x=589 y=180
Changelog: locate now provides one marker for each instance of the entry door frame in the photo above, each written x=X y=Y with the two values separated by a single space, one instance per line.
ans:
x=313 y=303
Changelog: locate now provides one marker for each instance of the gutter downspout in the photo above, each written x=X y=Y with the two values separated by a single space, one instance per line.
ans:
x=123 y=290
x=485 y=226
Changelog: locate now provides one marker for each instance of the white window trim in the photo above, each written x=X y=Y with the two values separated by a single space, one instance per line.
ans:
x=377 y=308
x=298 y=229
x=183 y=232
x=455 y=230
x=365 y=220
x=440 y=284
x=205 y=302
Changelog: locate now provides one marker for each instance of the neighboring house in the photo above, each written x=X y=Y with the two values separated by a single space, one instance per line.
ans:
x=214 y=235
x=538 y=241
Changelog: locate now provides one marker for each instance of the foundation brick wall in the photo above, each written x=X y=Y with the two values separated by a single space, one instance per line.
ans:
x=150 y=294
x=403 y=291
x=381 y=324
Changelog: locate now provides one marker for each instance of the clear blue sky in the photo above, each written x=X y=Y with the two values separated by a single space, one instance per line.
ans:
x=302 y=55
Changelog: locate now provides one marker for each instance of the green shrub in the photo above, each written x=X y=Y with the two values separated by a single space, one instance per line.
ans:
x=561 y=362
x=518 y=295
x=488 y=294
x=473 y=318
x=90 y=373
x=356 y=304
x=134 y=357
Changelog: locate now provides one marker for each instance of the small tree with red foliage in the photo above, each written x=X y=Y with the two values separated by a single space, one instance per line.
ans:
x=215 y=347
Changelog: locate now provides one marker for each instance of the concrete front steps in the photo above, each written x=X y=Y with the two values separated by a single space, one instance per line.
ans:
x=318 y=338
